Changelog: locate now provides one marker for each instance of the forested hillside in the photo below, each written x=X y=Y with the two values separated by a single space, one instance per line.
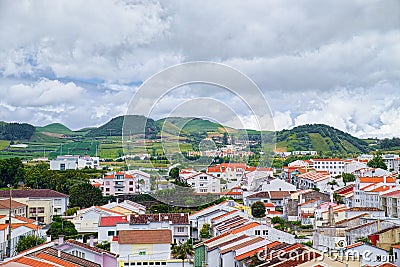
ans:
x=16 y=131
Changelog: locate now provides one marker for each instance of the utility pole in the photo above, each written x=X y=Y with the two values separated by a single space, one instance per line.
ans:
x=9 y=226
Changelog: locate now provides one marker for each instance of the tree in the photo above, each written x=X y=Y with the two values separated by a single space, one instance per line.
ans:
x=27 y=242
x=332 y=183
x=205 y=231
x=60 y=226
x=348 y=177
x=182 y=251
x=363 y=239
x=71 y=211
x=174 y=173
x=85 y=195
x=104 y=245
x=377 y=162
x=258 y=209
x=225 y=139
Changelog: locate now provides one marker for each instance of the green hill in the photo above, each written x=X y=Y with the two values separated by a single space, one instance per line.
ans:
x=321 y=138
x=133 y=125
x=55 y=128
x=188 y=125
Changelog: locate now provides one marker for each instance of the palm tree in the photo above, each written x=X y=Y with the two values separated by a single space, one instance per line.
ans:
x=182 y=251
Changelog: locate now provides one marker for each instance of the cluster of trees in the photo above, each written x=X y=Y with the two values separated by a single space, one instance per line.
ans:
x=258 y=209
x=390 y=144
x=16 y=131
x=11 y=172
x=60 y=226
x=335 y=138
x=377 y=162
x=71 y=182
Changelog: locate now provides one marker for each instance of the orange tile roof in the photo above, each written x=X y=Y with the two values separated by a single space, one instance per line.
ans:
x=223 y=215
x=56 y=260
x=108 y=210
x=245 y=227
x=354 y=245
x=35 y=262
x=382 y=188
x=249 y=253
x=376 y=180
x=29 y=225
x=216 y=238
x=24 y=219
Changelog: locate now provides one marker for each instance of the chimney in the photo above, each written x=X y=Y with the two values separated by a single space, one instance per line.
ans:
x=384 y=179
x=60 y=239
x=378 y=225
x=59 y=253
x=91 y=240
x=331 y=219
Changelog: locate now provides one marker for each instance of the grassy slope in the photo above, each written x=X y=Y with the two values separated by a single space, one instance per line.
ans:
x=55 y=128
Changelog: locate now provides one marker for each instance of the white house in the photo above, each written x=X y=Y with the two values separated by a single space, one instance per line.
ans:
x=87 y=220
x=310 y=180
x=274 y=184
x=69 y=162
x=144 y=247
x=202 y=182
x=178 y=223
x=142 y=180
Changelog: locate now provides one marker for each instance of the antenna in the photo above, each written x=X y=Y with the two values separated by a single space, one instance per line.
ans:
x=110 y=130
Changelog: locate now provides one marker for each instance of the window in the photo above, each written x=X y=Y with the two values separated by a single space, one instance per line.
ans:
x=131 y=189
x=107 y=189
x=265 y=232
x=181 y=229
x=32 y=210
x=62 y=166
x=107 y=182
x=257 y=232
x=130 y=182
x=57 y=201
x=142 y=252
x=110 y=233
x=40 y=209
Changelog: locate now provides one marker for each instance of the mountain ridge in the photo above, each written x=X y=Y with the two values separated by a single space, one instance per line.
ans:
x=316 y=137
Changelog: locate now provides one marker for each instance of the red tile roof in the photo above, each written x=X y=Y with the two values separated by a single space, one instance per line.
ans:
x=145 y=236
x=112 y=220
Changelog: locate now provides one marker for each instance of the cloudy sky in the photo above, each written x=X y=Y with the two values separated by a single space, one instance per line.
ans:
x=81 y=62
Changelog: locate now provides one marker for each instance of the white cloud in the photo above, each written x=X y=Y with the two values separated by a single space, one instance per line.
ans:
x=336 y=62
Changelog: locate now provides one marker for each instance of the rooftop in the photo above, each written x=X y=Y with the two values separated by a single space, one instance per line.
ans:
x=145 y=236
x=34 y=193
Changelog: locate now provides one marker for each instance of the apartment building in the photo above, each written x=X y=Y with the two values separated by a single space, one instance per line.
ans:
x=334 y=166
x=43 y=204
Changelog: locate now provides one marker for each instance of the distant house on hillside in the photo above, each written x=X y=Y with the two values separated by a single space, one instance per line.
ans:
x=74 y=163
